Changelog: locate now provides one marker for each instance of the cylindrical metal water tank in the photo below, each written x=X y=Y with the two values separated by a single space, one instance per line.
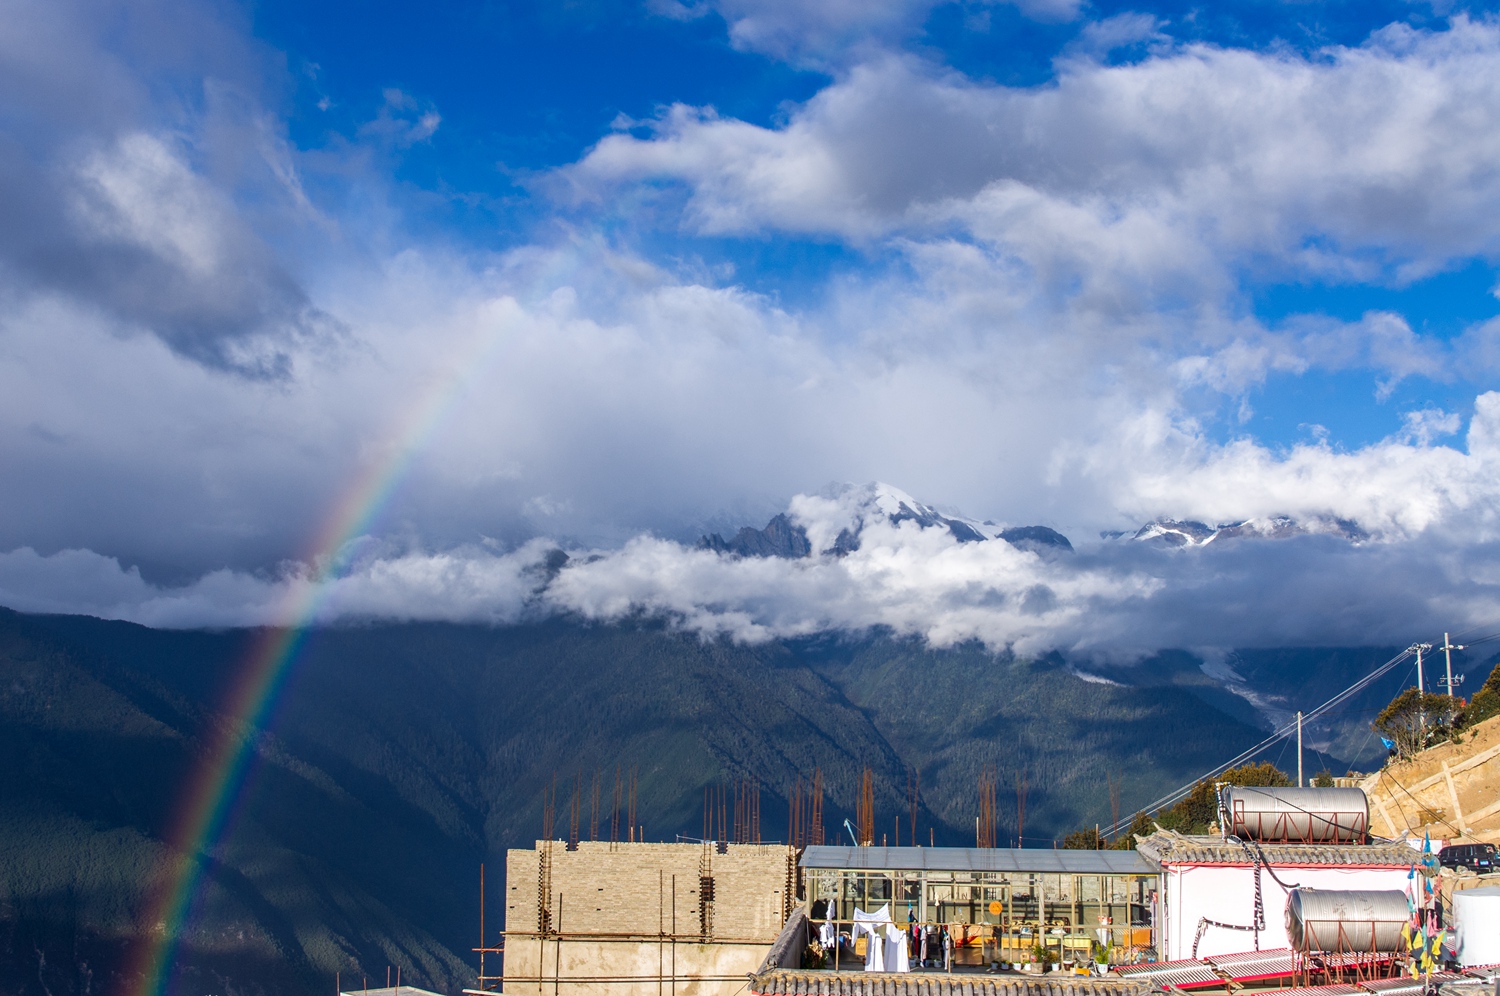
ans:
x=1300 y=815
x=1476 y=926
x=1338 y=920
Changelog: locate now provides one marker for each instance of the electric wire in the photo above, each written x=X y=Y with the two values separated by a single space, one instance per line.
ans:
x=1278 y=734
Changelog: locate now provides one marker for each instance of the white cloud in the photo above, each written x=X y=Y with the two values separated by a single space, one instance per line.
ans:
x=1099 y=38
x=402 y=120
x=1120 y=208
x=1348 y=164
x=1424 y=425
x=1399 y=489
x=829 y=32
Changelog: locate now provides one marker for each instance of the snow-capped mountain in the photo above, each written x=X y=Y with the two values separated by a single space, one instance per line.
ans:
x=1189 y=532
x=835 y=520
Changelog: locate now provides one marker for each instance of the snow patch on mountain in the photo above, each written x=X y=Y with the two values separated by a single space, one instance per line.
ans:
x=1219 y=668
x=1191 y=533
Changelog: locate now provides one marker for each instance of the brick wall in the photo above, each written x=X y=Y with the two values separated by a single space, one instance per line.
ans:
x=631 y=889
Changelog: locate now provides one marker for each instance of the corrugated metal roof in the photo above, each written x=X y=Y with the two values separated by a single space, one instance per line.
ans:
x=790 y=982
x=1338 y=990
x=979 y=859
x=1185 y=974
x=1147 y=968
x=1354 y=959
x=1169 y=848
x=1249 y=965
x=1396 y=987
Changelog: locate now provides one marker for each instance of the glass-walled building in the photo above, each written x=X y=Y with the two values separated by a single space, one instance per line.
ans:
x=999 y=903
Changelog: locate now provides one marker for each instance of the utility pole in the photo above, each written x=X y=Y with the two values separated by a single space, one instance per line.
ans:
x=1421 y=689
x=1299 y=748
x=1448 y=647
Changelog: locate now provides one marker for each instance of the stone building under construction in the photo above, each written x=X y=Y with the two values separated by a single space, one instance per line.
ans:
x=642 y=919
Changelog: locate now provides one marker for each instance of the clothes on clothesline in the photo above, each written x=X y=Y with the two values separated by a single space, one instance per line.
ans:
x=885 y=947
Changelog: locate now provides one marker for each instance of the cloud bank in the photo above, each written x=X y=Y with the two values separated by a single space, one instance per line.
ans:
x=1119 y=596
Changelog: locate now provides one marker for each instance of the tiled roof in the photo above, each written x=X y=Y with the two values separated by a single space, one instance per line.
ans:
x=790 y=982
x=1169 y=848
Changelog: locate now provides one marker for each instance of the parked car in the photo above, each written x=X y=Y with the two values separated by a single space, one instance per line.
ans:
x=1475 y=857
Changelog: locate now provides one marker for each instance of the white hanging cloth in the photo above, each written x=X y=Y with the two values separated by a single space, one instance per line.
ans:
x=885 y=951
x=896 y=959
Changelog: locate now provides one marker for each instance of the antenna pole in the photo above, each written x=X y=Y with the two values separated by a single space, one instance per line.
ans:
x=1299 y=748
x=481 y=923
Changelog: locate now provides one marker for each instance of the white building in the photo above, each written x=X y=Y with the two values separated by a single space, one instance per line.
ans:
x=1209 y=885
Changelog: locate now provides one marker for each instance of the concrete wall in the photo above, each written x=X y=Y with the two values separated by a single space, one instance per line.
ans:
x=627 y=910
x=593 y=967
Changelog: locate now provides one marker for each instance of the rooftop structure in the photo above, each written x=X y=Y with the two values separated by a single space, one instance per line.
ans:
x=1212 y=887
x=998 y=904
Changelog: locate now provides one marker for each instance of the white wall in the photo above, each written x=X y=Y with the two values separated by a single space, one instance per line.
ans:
x=1227 y=894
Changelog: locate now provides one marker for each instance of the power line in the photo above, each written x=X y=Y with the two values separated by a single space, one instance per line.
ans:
x=1279 y=734
x=1290 y=727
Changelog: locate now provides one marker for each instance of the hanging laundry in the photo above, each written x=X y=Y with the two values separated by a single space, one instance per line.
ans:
x=895 y=949
x=885 y=943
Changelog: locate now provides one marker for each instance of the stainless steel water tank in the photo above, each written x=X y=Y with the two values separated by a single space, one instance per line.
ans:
x=1299 y=815
x=1337 y=920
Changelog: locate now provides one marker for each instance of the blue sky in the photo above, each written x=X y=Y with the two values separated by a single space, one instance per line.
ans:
x=602 y=274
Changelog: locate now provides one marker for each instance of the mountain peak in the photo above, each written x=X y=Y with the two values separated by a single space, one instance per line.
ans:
x=837 y=518
x=1191 y=533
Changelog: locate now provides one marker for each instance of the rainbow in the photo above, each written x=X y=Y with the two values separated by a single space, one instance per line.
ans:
x=213 y=788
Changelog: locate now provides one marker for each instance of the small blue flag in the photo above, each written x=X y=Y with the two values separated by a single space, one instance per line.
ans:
x=1389 y=744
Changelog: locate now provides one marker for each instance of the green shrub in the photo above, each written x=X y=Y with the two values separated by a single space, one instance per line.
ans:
x=1415 y=719
x=1485 y=704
